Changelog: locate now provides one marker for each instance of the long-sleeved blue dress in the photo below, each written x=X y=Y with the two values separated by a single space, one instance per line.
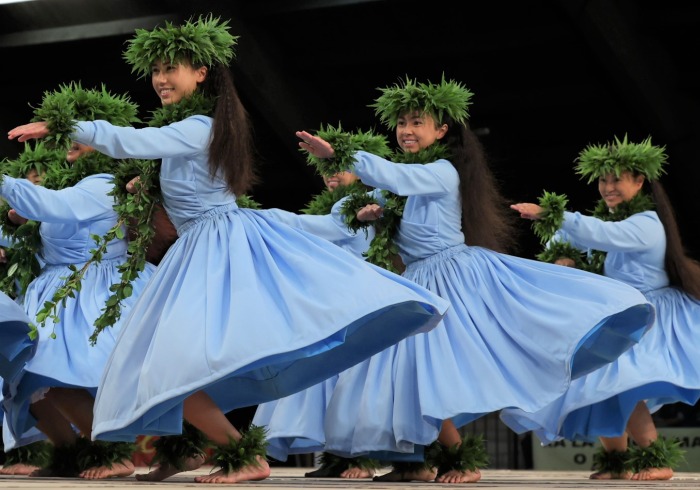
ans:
x=241 y=306
x=69 y=218
x=662 y=368
x=516 y=333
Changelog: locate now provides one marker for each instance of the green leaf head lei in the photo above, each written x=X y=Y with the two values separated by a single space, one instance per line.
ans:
x=36 y=156
x=447 y=98
x=70 y=102
x=204 y=42
x=598 y=160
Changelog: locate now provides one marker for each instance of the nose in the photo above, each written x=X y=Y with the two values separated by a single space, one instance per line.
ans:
x=159 y=78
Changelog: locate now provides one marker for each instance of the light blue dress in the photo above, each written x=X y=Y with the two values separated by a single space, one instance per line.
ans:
x=241 y=306
x=663 y=368
x=69 y=218
x=15 y=349
x=516 y=333
x=294 y=423
x=15 y=345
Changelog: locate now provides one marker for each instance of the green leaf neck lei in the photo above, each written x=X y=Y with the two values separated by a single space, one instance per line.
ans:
x=382 y=248
x=196 y=104
x=136 y=210
x=323 y=203
x=65 y=174
x=638 y=204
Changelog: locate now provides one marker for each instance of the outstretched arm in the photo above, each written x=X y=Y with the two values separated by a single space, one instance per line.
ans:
x=29 y=131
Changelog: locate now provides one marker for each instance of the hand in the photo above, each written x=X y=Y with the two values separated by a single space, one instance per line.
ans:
x=318 y=147
x=29 y=131
x=16 y=218
x=370 y=212
x=133 y=185
x=3 y=256
x=528 y=210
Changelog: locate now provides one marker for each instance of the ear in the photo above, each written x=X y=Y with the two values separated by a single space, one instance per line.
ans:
x=442 y=131
x=201 y=73
x=639 y=181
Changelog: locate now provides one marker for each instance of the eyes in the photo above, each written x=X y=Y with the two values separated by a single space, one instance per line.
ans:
x=166 y=68
x=415 y=122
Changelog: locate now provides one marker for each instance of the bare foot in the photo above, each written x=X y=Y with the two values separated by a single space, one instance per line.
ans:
x=356 y=473
x=420 y=475
x=607 y=475
x=18 y=469
x=164 y=470
x=118 y=470
x=455 y=476
x=253 y=472
x=654 y=474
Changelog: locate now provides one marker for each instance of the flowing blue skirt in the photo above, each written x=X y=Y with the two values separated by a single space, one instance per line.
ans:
x=68 y=360
x=664 y=367
x=295 y=423
x=517 y=332
x=249 y=310
x=16 y=347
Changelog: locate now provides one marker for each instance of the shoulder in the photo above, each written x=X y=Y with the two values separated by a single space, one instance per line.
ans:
x=197 y=119
x=646 y=216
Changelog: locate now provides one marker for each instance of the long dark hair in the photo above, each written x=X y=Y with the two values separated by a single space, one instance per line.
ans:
x=486 y=218
x=683 y=271
x=231 y=150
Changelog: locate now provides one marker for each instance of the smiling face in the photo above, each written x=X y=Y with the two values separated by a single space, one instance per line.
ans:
x=616 y=190
x=175 y=81
x=416 y=131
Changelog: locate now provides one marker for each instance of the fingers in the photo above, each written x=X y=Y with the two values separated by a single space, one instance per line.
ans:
x=28 y=131
x=131 y=185
x=370 y=212
x=17 y=133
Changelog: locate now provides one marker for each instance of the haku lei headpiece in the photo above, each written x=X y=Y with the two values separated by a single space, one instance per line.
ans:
x=34 y=157
x=71 y=102
x=616 y=157
x=448 y=97
x=206 y=41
